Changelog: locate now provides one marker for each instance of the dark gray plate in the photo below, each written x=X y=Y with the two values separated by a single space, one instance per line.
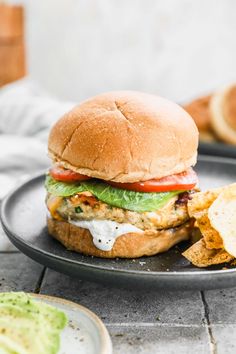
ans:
x=24 y=220
x=217 y=149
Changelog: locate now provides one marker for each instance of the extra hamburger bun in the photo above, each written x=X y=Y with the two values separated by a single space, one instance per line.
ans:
x=131 y=245
x=223 y=114
x=199 y=109
x=125 y=136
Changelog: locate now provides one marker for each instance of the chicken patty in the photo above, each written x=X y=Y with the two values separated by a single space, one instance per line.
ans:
x=85 y=206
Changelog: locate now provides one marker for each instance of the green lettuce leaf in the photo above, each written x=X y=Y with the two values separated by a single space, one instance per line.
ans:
x=135 y=201
x=62 y=189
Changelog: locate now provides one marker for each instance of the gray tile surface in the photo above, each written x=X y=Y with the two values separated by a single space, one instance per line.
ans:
x=119 y=305
x=160 y=340
x=225 y=338
x=222 y=306
x=18 y=273
x=139 y=322
x=5 y=244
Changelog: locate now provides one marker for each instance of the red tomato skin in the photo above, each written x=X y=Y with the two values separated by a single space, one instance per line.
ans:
x=64 y=175
x=182 y=181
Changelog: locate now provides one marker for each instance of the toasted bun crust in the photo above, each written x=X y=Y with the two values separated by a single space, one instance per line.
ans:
x=125 y=136
x=199 y=111
x=131 y=245
x=223 y=114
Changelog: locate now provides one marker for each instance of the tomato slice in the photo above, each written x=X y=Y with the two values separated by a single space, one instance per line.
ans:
x=63 y=175
x=182 y=181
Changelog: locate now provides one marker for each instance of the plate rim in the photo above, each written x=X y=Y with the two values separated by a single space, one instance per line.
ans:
x=20 y=239
x=106 y=343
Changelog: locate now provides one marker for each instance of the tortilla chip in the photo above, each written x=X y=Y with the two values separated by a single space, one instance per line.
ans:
x=222 y=216
x=211 y=236
x=202 y=257
x=198 y=208
x=202 y=200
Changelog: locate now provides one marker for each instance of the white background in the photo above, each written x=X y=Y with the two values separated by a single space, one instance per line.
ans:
x=177 y=48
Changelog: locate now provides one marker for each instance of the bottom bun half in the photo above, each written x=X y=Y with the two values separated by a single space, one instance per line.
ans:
x=130 y=245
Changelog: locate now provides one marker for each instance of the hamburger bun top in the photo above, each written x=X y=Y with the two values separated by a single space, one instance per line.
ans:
x=125 y=136
x=223 y=114
x=199 y=111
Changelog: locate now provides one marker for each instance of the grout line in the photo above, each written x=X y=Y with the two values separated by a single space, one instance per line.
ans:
x=10 y=251
x=40 y=281
x=159 y=324
x=213 y=346
x=147 y=324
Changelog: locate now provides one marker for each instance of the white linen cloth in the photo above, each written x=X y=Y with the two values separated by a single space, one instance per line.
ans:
x=26 y=115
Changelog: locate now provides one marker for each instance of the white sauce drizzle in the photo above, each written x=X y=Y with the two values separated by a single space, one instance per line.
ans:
x=105 y=232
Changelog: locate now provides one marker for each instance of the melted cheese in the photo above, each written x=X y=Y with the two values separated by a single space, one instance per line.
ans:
x=105 y=232
x=53 y=203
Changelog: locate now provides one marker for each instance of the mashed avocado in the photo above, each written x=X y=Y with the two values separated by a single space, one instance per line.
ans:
x=28 y=326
